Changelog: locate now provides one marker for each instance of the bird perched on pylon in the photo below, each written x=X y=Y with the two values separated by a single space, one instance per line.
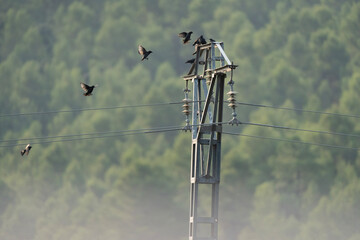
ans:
x=200 y=40
x=186 y=36
x=26 y=150
x=191 y=61
x=87 y=89
x=142 y=51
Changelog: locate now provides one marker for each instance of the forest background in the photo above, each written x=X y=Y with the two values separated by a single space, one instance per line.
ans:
x=290 y=53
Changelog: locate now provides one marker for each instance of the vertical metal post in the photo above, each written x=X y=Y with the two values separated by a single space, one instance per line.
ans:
x=205 y=168
x=207 y=117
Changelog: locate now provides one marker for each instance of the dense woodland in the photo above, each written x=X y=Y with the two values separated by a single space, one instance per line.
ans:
x=290 y=53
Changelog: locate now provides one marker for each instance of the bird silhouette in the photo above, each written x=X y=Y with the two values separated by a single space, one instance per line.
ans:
x=190 y=60
x=26 y=150
x=142 y=51
x=200 y=40
x=87 y=89
x=182 y=34
x=212 y=40
x=186 y=36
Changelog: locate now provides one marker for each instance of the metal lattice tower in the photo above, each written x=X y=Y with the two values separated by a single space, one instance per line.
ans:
x=207 y=117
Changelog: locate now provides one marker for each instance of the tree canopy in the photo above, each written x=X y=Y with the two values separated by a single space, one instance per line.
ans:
x=292 y=54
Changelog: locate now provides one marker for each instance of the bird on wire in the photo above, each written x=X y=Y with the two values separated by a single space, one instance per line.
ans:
x=186 y=36
x=26 y=150
x=87 y=89
x=200 y=40
x=142 y=51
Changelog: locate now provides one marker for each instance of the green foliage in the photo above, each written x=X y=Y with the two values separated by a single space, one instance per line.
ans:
x=295 y=54
x=339 y=210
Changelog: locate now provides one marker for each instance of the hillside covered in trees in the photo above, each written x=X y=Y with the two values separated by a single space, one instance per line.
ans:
x=296 y=54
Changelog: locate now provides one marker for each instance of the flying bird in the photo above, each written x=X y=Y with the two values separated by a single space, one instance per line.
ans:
x=26 y=150
x=87 y=89
x=142 y=51
x=182 y=34
x=186 y=36
x=200 y=40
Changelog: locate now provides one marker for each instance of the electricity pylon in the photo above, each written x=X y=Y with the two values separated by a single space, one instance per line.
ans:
x=206 y=128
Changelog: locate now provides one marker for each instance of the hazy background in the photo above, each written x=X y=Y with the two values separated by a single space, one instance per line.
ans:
x=293 y=53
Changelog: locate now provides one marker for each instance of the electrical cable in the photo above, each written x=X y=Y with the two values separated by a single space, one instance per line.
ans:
x=94 y=137
x=87 y=109
x=159 y=130
x=170 y=103
x=146 y=130
x=300 y=129
x=82 y=134
x=292 y=141
x=298 y=110
x=104 y=134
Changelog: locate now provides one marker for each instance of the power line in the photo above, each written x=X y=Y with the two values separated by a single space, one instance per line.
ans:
x=94 y=137
x=103 y=134
x=165 y=129
x=170 y=103
x=85 y=134
x=88 y=109
x=298 y=110
x=292 y=141
x=300 y=129
x=160 y=128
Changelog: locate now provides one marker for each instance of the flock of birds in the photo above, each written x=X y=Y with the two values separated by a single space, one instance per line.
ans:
x=186 y=37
